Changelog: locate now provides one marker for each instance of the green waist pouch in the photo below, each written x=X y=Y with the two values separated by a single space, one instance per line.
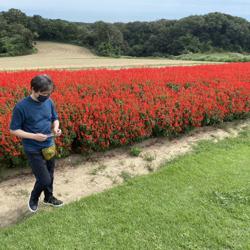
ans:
x=49 y=152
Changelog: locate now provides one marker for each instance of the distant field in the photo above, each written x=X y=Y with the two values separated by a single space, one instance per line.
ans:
x=59 y=55
x=215 y=57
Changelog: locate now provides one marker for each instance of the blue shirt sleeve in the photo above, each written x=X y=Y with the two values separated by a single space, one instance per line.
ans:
x=54 y=113
x=17 y=119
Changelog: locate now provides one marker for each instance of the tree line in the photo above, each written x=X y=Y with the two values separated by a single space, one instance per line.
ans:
x=198 y=33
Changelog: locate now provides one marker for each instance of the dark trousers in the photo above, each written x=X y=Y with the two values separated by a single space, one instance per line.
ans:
x=44 y=173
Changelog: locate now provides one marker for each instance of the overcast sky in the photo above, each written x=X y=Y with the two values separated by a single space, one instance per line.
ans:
x=126 y=10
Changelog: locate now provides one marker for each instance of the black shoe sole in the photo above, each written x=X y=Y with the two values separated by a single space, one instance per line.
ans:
x=50 y=204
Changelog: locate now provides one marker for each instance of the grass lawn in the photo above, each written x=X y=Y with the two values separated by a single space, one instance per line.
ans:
x=199 y=201
x=215 y=57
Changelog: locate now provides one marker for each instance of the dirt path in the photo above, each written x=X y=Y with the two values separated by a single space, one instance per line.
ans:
x=66 y=56
x=76 y=176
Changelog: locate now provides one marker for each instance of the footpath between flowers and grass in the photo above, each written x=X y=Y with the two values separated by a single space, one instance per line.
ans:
x=199 y=200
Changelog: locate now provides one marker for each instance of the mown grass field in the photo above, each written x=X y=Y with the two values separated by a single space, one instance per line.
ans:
x=215 y=57
x=199 y=201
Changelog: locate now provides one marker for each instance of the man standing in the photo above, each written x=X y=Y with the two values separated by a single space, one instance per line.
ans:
x=32 y=120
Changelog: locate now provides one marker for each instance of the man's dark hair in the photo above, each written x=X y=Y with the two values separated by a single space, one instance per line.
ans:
x=42 y=83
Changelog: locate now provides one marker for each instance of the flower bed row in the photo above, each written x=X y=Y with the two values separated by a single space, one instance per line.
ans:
x=99 y=109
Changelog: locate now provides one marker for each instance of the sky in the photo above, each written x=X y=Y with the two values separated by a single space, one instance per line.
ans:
x=126 y=10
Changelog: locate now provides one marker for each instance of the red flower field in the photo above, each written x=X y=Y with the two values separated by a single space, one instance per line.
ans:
x=99 y=109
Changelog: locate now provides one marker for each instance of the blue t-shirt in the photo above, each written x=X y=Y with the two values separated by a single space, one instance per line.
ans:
x=34 y=117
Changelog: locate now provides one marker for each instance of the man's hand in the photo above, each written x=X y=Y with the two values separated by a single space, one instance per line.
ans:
x=40 y=137
x=57 y=131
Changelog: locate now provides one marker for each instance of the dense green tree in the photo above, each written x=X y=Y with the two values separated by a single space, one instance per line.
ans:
x=109 y=39
x=197 y=33
x=15 y=38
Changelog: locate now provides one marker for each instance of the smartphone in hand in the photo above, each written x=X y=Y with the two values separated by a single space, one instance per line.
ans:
x=51 y=135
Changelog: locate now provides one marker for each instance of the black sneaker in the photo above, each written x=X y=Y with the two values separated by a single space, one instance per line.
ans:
x=53 y=201
x=33 y=205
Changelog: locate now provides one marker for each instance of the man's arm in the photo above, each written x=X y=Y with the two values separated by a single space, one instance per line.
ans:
x=55 y=124
x=22 y=134
x=56 y=129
